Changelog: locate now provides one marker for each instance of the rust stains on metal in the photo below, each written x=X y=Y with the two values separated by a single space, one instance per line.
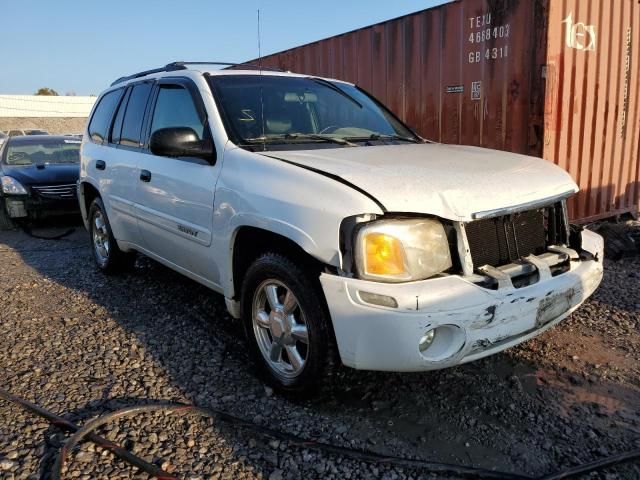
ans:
x=593 y=105
x=559 y=79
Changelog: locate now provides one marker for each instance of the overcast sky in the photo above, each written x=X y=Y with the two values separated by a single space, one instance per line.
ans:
x=81 y=46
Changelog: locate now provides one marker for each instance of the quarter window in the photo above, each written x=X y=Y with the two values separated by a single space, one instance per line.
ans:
x=101 y=118
x=175 y=108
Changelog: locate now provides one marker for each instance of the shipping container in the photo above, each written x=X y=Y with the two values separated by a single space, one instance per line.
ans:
x=558 y=79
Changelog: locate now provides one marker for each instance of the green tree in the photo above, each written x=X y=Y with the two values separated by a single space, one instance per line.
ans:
x=47 y=91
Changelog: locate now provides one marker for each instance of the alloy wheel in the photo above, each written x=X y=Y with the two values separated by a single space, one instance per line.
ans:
x=280 y=328
x=100 y=237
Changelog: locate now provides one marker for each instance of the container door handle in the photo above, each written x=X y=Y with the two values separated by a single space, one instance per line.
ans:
x=100 y=165
x=145 y=175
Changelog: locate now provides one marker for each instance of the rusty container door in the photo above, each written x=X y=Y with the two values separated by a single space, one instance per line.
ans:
x=557 y=79
x=458 y=73
x=592 y=109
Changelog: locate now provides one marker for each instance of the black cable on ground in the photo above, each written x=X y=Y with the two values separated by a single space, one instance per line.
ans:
x=293 y=440
x=364 y=456
x=64 y=424
x=87 y=432
x=46 y=250
x=26 y=229
x=594 y=466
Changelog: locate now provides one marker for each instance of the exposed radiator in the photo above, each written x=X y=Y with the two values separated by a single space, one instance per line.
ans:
x=505 y=239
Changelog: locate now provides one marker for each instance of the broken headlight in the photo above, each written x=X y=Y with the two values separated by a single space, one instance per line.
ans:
x=402 y=250
x=12 y=187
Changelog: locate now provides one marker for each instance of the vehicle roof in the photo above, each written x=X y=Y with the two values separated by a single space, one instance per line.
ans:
x=190 y=71
x=25 y=139
x=264 y=73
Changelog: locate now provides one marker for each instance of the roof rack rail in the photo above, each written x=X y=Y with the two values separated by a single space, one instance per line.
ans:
x=247 y=66
x=167 y=68
x=173 y=66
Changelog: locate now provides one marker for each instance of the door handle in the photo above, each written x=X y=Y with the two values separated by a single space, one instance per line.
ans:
x=145 y=175
x=100 y=165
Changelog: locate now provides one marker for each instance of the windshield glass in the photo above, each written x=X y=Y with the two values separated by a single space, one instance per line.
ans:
x=284 y=110
x=38 y=153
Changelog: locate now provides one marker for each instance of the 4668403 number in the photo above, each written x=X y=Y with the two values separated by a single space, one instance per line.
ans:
x=489 y=33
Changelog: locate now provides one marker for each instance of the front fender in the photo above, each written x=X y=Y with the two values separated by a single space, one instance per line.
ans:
x=303 y=206
x=292 y=232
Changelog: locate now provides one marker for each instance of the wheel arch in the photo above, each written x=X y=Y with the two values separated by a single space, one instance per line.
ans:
x=87 y=192
x=250 y=239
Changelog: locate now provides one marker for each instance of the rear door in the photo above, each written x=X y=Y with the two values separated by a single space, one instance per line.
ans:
x=124 y=138
x=105 y=166
x=175 y=196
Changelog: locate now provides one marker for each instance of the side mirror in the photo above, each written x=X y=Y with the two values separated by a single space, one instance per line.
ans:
x=181 y=142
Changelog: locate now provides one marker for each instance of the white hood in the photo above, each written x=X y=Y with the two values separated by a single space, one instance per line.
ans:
x=449 y=181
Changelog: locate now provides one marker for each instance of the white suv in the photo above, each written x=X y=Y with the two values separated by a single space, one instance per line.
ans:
x=333 y=231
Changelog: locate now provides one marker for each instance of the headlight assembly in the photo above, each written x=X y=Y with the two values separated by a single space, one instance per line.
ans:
x=12 y=187
x=402 y=250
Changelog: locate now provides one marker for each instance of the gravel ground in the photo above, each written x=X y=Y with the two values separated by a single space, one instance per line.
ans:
x=82 y=344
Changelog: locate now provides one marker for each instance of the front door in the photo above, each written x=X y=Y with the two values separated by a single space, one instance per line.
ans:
x=175 y=195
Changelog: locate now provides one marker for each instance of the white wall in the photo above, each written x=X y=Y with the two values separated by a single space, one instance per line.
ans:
x=25 y=106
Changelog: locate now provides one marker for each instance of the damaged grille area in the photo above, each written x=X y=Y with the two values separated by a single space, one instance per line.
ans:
x=505 y=239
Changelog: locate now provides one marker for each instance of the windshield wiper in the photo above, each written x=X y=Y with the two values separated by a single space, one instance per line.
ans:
x=317 y=136
x=378 y=136
x=300 y=136
x=334 y=87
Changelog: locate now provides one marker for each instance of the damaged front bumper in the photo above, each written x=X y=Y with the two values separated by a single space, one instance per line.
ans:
x=470 y=321
x=21 y=206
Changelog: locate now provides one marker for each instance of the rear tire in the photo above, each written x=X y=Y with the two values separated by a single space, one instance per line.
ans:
x=287 y=324
x=108 y=257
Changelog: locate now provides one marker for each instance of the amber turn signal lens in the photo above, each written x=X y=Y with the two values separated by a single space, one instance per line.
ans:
x=384 y=255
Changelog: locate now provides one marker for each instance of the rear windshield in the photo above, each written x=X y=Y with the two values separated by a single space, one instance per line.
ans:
x=37 y=153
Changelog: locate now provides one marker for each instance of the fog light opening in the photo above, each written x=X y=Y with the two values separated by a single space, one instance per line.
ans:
x=427 y=340
x=377 y=299
x=441 y=343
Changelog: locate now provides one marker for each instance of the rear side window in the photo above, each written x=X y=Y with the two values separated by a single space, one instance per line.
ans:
x=175 y=108
x=101 y=119
x=132 y=125
x=116 y=129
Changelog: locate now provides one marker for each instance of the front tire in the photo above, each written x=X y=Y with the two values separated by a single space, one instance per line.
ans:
x=287 y=324
x=109 y=258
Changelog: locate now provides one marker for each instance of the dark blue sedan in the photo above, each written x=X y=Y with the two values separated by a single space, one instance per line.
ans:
x=38 y=176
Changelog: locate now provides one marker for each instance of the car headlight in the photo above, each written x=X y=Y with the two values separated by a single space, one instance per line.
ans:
x=13 y=187
x=402 y=250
